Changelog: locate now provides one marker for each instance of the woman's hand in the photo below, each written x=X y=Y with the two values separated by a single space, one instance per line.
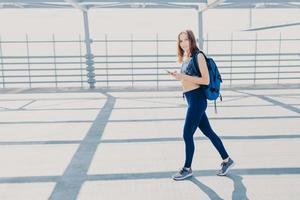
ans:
x=177 y=76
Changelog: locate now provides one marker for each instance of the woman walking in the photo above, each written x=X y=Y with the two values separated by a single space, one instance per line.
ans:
x=192 y=82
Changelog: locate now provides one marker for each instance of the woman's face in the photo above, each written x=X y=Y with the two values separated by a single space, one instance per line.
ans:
x=184 y=42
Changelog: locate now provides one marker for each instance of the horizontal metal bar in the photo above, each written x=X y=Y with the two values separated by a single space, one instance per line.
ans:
x=125 y=62
x=214 y=55
x=41 y=76
x=78 y=69
x=220 y=67
x=251 y=73
x=154 y=80
x=33 y=82
x=42 y=41
x=250 y=40
x=275 y=78
x=205 y=40
x=40 y=82
x=135 y=56
x=137 y=62
x=263 y=60
x=33 y=57
x=145 y=56
x=134 y=74
x=44 y=69
x=257 y=60
x=151 y=74
x=149 y=68
x=135 y=68
x=40 y=63
x=144 y=40
x=161 y=74
x=137 y=80
x=258 y=66
x=152 y=41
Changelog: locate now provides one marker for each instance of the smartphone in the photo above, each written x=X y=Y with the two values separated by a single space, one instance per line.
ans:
x=169 y=72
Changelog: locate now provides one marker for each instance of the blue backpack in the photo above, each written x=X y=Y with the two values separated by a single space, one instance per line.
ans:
x=212 y=91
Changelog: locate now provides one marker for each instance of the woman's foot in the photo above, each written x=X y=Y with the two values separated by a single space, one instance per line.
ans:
x=182 y=174
x=225 y=167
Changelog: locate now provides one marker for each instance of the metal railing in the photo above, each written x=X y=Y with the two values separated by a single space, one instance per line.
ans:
x=50 y=69
x=135 y=62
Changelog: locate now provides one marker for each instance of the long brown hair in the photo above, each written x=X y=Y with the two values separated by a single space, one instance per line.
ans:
x=193 y=44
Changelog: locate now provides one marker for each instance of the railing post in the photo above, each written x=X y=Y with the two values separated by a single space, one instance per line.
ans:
x=2 y=66
x=131 y=58
x=279 y=59
x=255 y=53
x=80 y=59
x=106 y=59
x=89 y=56
x=28 y=60
x=207 y=43
x=157 y=60
x=54 y=59
x=231 y=52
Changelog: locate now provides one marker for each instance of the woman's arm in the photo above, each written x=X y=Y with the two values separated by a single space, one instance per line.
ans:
x=204 y=80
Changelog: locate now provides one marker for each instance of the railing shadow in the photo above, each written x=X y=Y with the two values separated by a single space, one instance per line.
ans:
x=207 y=190
x=70 y=183
x=240 y=190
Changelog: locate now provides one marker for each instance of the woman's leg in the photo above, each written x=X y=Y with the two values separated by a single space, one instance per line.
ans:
x=192 y=120
x=214 y=138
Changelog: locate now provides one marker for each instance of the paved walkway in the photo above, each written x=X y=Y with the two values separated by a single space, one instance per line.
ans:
x=76 y=144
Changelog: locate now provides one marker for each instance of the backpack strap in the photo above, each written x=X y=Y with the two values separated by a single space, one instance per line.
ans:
x=195 y=60
x=203 y=54
x=196 y=54
x=215 y=103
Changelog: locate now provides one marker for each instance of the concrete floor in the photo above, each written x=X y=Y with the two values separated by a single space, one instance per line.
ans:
x=126 y=144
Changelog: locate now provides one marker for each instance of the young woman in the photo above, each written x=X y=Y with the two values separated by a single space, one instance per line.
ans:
x=193 y=92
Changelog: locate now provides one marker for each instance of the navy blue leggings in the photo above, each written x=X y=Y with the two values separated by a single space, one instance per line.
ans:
x=196 y=117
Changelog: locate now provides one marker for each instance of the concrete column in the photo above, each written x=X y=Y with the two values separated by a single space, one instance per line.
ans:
x=89 y=56
x=200 y=29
